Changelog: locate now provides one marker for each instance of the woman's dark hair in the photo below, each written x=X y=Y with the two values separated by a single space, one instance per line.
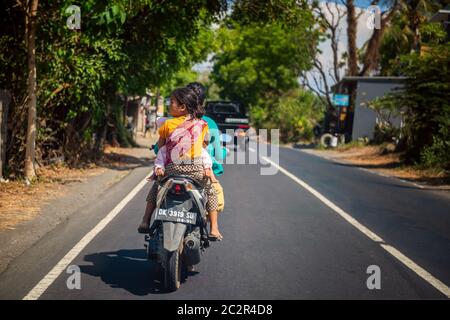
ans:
x=200 y=90
x=190 y=99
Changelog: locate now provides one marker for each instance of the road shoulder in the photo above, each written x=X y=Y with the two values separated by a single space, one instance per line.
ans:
x=369 y=160
x=68 y=199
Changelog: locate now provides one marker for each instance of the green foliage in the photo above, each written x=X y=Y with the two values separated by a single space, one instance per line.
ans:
x=385 y=130
x=396 y=41
x=426 y=101
x=259 y=65
x=409 y=28
x=258 y=60
x=123 y=48
x=295 y=114
x=433 y=33
x=181 y=78
x=287 y=12
x=436 y=155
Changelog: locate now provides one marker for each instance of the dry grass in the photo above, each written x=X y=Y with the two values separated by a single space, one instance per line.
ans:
x=20 y=203
x=384 y=160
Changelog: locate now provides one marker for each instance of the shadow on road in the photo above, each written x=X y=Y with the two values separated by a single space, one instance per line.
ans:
x=304 y=146
x=371 y=166
x=117 y=161
x=127 y=269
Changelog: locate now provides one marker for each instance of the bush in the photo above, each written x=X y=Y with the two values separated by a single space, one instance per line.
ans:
x=295 y=114
x=436 y=155
x=426 y=102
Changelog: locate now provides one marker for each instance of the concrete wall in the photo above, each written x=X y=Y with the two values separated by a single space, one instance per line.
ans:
x=365 y=119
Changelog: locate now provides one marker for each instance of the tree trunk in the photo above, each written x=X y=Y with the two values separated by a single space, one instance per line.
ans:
x=351 y=35
x=31 y=90
x=125 y=117
x=414 y=23
x=4 y=105
x=372 y=53
x=352 y=25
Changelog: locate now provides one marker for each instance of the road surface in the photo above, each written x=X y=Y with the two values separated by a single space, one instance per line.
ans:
x=282 y=240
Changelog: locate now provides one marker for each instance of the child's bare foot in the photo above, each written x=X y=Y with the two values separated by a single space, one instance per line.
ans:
x=215 y=235
x=210 y=174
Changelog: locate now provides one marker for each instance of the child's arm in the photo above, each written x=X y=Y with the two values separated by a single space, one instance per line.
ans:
x=207 y=165
x=206 y=159
x=159 y=161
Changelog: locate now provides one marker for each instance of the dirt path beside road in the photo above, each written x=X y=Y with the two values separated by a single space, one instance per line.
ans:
x=382 y=160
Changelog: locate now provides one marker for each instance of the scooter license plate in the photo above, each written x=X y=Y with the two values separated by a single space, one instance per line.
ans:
x=176 y=216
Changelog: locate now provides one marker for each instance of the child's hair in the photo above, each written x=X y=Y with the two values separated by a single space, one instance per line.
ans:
x=190 y=99
x=199 y=90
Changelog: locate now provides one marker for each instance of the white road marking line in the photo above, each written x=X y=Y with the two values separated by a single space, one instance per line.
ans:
x=62 y=265
x=436 y=283
x=417 y=269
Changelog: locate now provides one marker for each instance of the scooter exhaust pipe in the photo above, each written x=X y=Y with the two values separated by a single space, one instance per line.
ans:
x=192 y=248
x=190 y=244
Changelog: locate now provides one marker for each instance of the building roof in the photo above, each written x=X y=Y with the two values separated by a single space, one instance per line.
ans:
x=368 y=79
x=441 y=15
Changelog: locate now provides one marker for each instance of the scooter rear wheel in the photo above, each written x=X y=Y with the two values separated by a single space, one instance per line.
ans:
x=173 y=270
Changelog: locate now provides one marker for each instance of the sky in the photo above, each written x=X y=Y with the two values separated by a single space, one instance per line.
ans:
x=360 y=3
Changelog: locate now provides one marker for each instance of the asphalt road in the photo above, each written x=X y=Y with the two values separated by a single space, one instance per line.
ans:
x=281 y=242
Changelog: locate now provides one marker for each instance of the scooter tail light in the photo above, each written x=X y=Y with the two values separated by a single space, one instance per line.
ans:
x=178 y=188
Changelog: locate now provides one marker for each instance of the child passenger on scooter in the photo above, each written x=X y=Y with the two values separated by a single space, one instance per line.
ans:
x=162 y=155
x=184 y=136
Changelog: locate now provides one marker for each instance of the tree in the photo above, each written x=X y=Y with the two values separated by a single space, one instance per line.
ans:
x=122 y=49
x=258 y=61
x=259 y=65
x=329 y=17
x=404 y=34
x=295 y=114
x=290 y=13
x=352 y=50
x=30 y=11
x=425 y=99
x=371 y=53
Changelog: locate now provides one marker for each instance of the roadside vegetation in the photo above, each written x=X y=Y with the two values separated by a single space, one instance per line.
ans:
x=70 y=89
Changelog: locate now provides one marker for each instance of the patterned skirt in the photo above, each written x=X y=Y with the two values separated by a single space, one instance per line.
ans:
x=193 y=171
